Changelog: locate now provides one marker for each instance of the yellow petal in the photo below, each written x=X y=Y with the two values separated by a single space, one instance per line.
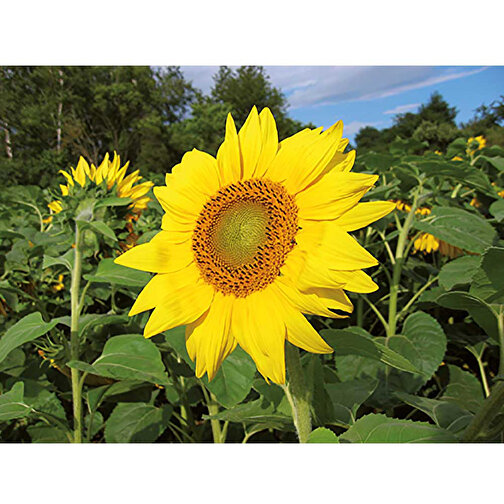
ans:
x=228 y=156
x=328 y=243
x=259 y=329
x=303 y=157
x=209 y=339
x=249 y=139
x=68 y=177
x=189 y=302
x=269 y=141
x=341 y=162
x=64 y=189
x=364 y=214
x=333 y=195
x=308 y=303
x=336 y=299
x=301 y=333
x=354 y=281
x=80 y=172
x=160 y=255
x=163 y=284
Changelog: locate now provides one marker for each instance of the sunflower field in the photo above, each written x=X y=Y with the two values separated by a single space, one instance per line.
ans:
x=280 y=291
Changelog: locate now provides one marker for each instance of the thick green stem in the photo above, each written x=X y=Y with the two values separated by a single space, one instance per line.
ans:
x=400 y=258
x=74 y=336
x=213 y=409
x=298 y=394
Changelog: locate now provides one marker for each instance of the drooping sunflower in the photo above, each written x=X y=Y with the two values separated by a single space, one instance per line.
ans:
x=109 y=173
x=428 y=243
x=254 y=238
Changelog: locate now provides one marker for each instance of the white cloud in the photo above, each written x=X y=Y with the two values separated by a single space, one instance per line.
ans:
x=400 y=109
x=307 y=86
x=352 y=128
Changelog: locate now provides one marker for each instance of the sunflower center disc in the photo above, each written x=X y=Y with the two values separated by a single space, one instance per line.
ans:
x=239 y=231
x=243 y=235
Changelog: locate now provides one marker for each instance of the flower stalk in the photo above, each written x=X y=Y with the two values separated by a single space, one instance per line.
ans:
x=400 y=257
x=74 y=335
x=298 y=394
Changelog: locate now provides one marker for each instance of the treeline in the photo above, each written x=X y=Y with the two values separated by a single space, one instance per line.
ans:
x=434 y=127
x=49 y=116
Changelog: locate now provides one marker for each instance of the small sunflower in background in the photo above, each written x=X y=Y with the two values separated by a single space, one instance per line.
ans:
x=110 y=174
x=475 y=144
x=428 y=243
x=254 y=238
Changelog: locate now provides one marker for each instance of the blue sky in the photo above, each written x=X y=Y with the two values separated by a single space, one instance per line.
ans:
x=372 y=95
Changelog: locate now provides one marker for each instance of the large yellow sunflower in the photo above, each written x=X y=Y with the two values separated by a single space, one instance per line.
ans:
x=253 y=239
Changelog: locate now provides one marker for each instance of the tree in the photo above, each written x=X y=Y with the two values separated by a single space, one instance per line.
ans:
x=247 y=86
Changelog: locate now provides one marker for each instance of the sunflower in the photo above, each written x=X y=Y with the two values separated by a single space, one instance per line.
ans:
x=254 y=238
x=474 y=144
x=110 y=174
x=428 y=243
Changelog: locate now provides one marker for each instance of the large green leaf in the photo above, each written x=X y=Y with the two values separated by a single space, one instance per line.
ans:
x=137 y=423
x=497 y=162
x=233 y=381
x=458 y=227
x=112 y=201
x=479 y=310
x=382 y=429
x=322 y=435
x=461 y=172
x=459 y=271
x=253 y=412
x=43 y=433
x=497 y=209
x=104 y=229
x=447 y=415
x=351 y=342
x=488 y=282
x=128 y=357
x=427 y=339
x=464 y=390
x=66 y=260
x=346 y=397
x=109 y=272
x=12 y=404
x=27 y=329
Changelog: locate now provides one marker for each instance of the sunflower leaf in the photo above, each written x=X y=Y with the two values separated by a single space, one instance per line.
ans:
x=109 y=272
x=375 y=428
x=459 y=228
x=137 y=423
x=27 y=329
x=12 y=405
x=127 y=357
x=349 y=342
x=322 y=435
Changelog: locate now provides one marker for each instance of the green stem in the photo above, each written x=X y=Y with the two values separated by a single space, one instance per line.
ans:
x=400 y=258
x=298 y=394
x=403 y=312
x=213 y=409
x=74 y=336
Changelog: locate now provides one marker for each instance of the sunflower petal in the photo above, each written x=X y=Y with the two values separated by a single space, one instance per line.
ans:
x=228 y=155
x=209 y=339
x=188 y=303
x=160 y=255
x=363 y=214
